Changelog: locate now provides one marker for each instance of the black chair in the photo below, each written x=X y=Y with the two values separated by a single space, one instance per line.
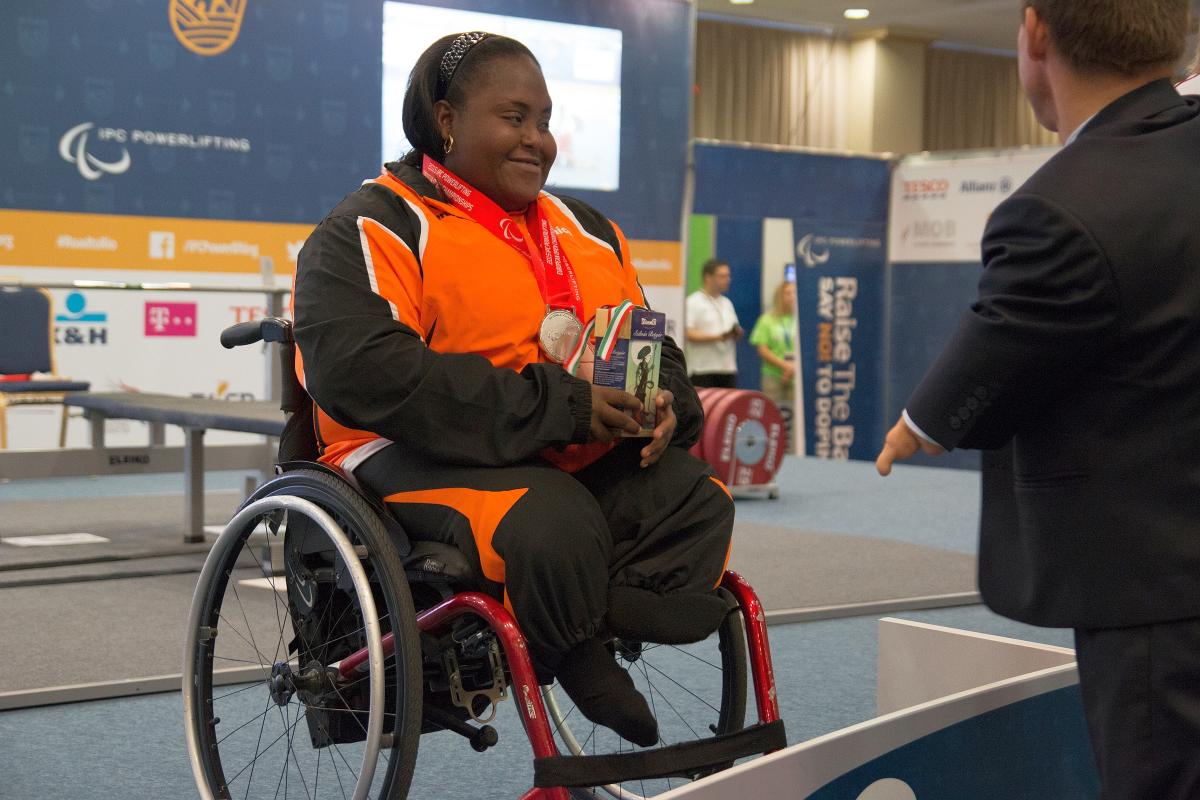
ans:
x=26 y=350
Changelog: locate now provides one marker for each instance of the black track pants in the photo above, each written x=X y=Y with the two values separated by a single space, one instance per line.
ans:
x=558 y=544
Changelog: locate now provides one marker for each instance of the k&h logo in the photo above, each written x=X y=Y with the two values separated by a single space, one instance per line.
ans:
x=207 y=28
x=162 y=244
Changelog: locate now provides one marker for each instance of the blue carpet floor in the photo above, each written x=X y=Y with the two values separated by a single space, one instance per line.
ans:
x=111 y=749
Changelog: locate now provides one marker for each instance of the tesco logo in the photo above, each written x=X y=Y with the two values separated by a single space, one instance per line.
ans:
x=925 y=188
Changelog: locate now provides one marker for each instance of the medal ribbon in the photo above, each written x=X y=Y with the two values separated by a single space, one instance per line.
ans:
x=608 y=339
x=558 y=285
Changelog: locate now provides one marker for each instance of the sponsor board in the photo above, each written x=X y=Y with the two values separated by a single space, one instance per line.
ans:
x=940 y=206
x=657 y=263
x=100 y=241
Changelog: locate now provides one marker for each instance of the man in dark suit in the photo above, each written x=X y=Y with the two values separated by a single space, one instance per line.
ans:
x=1077 y=370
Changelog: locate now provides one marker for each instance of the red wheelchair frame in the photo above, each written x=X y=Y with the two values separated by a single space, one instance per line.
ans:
x=525 y=684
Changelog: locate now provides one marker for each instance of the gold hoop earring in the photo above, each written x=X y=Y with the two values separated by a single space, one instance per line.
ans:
x=448 y=145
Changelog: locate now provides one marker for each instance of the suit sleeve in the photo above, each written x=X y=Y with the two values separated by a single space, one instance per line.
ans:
x=357 y=309
x=1046 y=307
x=673 y=373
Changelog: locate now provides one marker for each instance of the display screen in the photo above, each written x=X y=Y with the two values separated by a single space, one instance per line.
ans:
x=582 y=65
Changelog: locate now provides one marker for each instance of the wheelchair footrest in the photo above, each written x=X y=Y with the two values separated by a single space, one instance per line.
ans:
x=679 y=760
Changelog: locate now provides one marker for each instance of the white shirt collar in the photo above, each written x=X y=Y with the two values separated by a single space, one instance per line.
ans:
x=1075 y=133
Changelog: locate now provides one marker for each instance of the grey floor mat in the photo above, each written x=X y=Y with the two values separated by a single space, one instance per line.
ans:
x=792 y=568
x=102 y=630
x=139 y=525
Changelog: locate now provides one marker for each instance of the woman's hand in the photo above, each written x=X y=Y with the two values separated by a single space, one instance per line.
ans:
x=612 y=413
x=663 y=431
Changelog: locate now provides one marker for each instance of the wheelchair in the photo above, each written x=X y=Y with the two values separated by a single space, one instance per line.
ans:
x=323 y=642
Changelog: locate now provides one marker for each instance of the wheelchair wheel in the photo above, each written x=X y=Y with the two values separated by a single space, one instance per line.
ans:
x=267 y=711
x=695 y=691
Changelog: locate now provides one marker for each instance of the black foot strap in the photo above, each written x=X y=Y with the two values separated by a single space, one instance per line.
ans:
x=680 y=760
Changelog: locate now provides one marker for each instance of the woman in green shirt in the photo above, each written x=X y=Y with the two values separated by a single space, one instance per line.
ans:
x=775 y=336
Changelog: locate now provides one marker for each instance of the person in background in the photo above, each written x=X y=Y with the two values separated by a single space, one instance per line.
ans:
x=774 y=335
x=435 y=307
x=1077 y=371
x=712 y=330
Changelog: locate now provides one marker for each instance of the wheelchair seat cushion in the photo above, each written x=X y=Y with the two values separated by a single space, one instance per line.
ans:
x=679 y=618
x=437 y=561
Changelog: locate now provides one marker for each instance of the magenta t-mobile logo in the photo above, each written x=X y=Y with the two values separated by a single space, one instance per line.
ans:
x=170 y=319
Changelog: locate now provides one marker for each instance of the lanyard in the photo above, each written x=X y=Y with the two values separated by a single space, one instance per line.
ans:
x=559 y=288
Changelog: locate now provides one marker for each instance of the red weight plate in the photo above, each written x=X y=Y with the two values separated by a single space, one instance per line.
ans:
x=708 y=396
x=745 y=439
x=714 y=433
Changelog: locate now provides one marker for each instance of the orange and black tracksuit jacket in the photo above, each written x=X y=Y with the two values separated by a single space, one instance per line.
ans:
x=416 y=329
x=416 y=325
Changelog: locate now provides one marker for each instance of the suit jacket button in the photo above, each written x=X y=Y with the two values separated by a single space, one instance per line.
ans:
x=955 y=423
x=981 y=392
x=972 y=403
x=964 y=412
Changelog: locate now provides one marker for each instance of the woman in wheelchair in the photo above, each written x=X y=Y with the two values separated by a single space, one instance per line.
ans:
x=434 y=308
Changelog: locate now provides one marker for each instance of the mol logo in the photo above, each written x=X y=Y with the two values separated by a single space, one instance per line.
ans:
x=207 y=28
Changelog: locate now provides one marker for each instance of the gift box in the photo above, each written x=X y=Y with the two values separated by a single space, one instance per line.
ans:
x=629 y=354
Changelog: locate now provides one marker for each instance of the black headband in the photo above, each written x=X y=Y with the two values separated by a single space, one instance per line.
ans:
x=454 y=56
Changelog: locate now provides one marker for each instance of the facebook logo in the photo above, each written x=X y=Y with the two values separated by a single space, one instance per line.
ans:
x=162 y=244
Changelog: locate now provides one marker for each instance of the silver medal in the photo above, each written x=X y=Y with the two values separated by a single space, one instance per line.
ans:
x=558 y=334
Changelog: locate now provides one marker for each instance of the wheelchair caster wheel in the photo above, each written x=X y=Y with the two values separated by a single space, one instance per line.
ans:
x=484 y=738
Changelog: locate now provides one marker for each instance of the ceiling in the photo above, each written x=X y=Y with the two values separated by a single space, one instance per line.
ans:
x=989 y=24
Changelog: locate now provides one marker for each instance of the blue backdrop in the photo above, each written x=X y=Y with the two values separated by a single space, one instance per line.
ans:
x=103 y=109
x=838 y=208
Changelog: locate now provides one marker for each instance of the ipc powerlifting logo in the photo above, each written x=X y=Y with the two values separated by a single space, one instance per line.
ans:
x=76 y=146
x=811 y=256
x=73 y=147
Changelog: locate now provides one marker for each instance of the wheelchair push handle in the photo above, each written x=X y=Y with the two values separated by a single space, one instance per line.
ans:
x=267 y=329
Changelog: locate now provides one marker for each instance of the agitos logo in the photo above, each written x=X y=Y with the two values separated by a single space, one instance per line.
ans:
x=207 y=28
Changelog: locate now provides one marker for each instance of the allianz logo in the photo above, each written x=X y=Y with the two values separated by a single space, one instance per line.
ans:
x=1002 y=186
